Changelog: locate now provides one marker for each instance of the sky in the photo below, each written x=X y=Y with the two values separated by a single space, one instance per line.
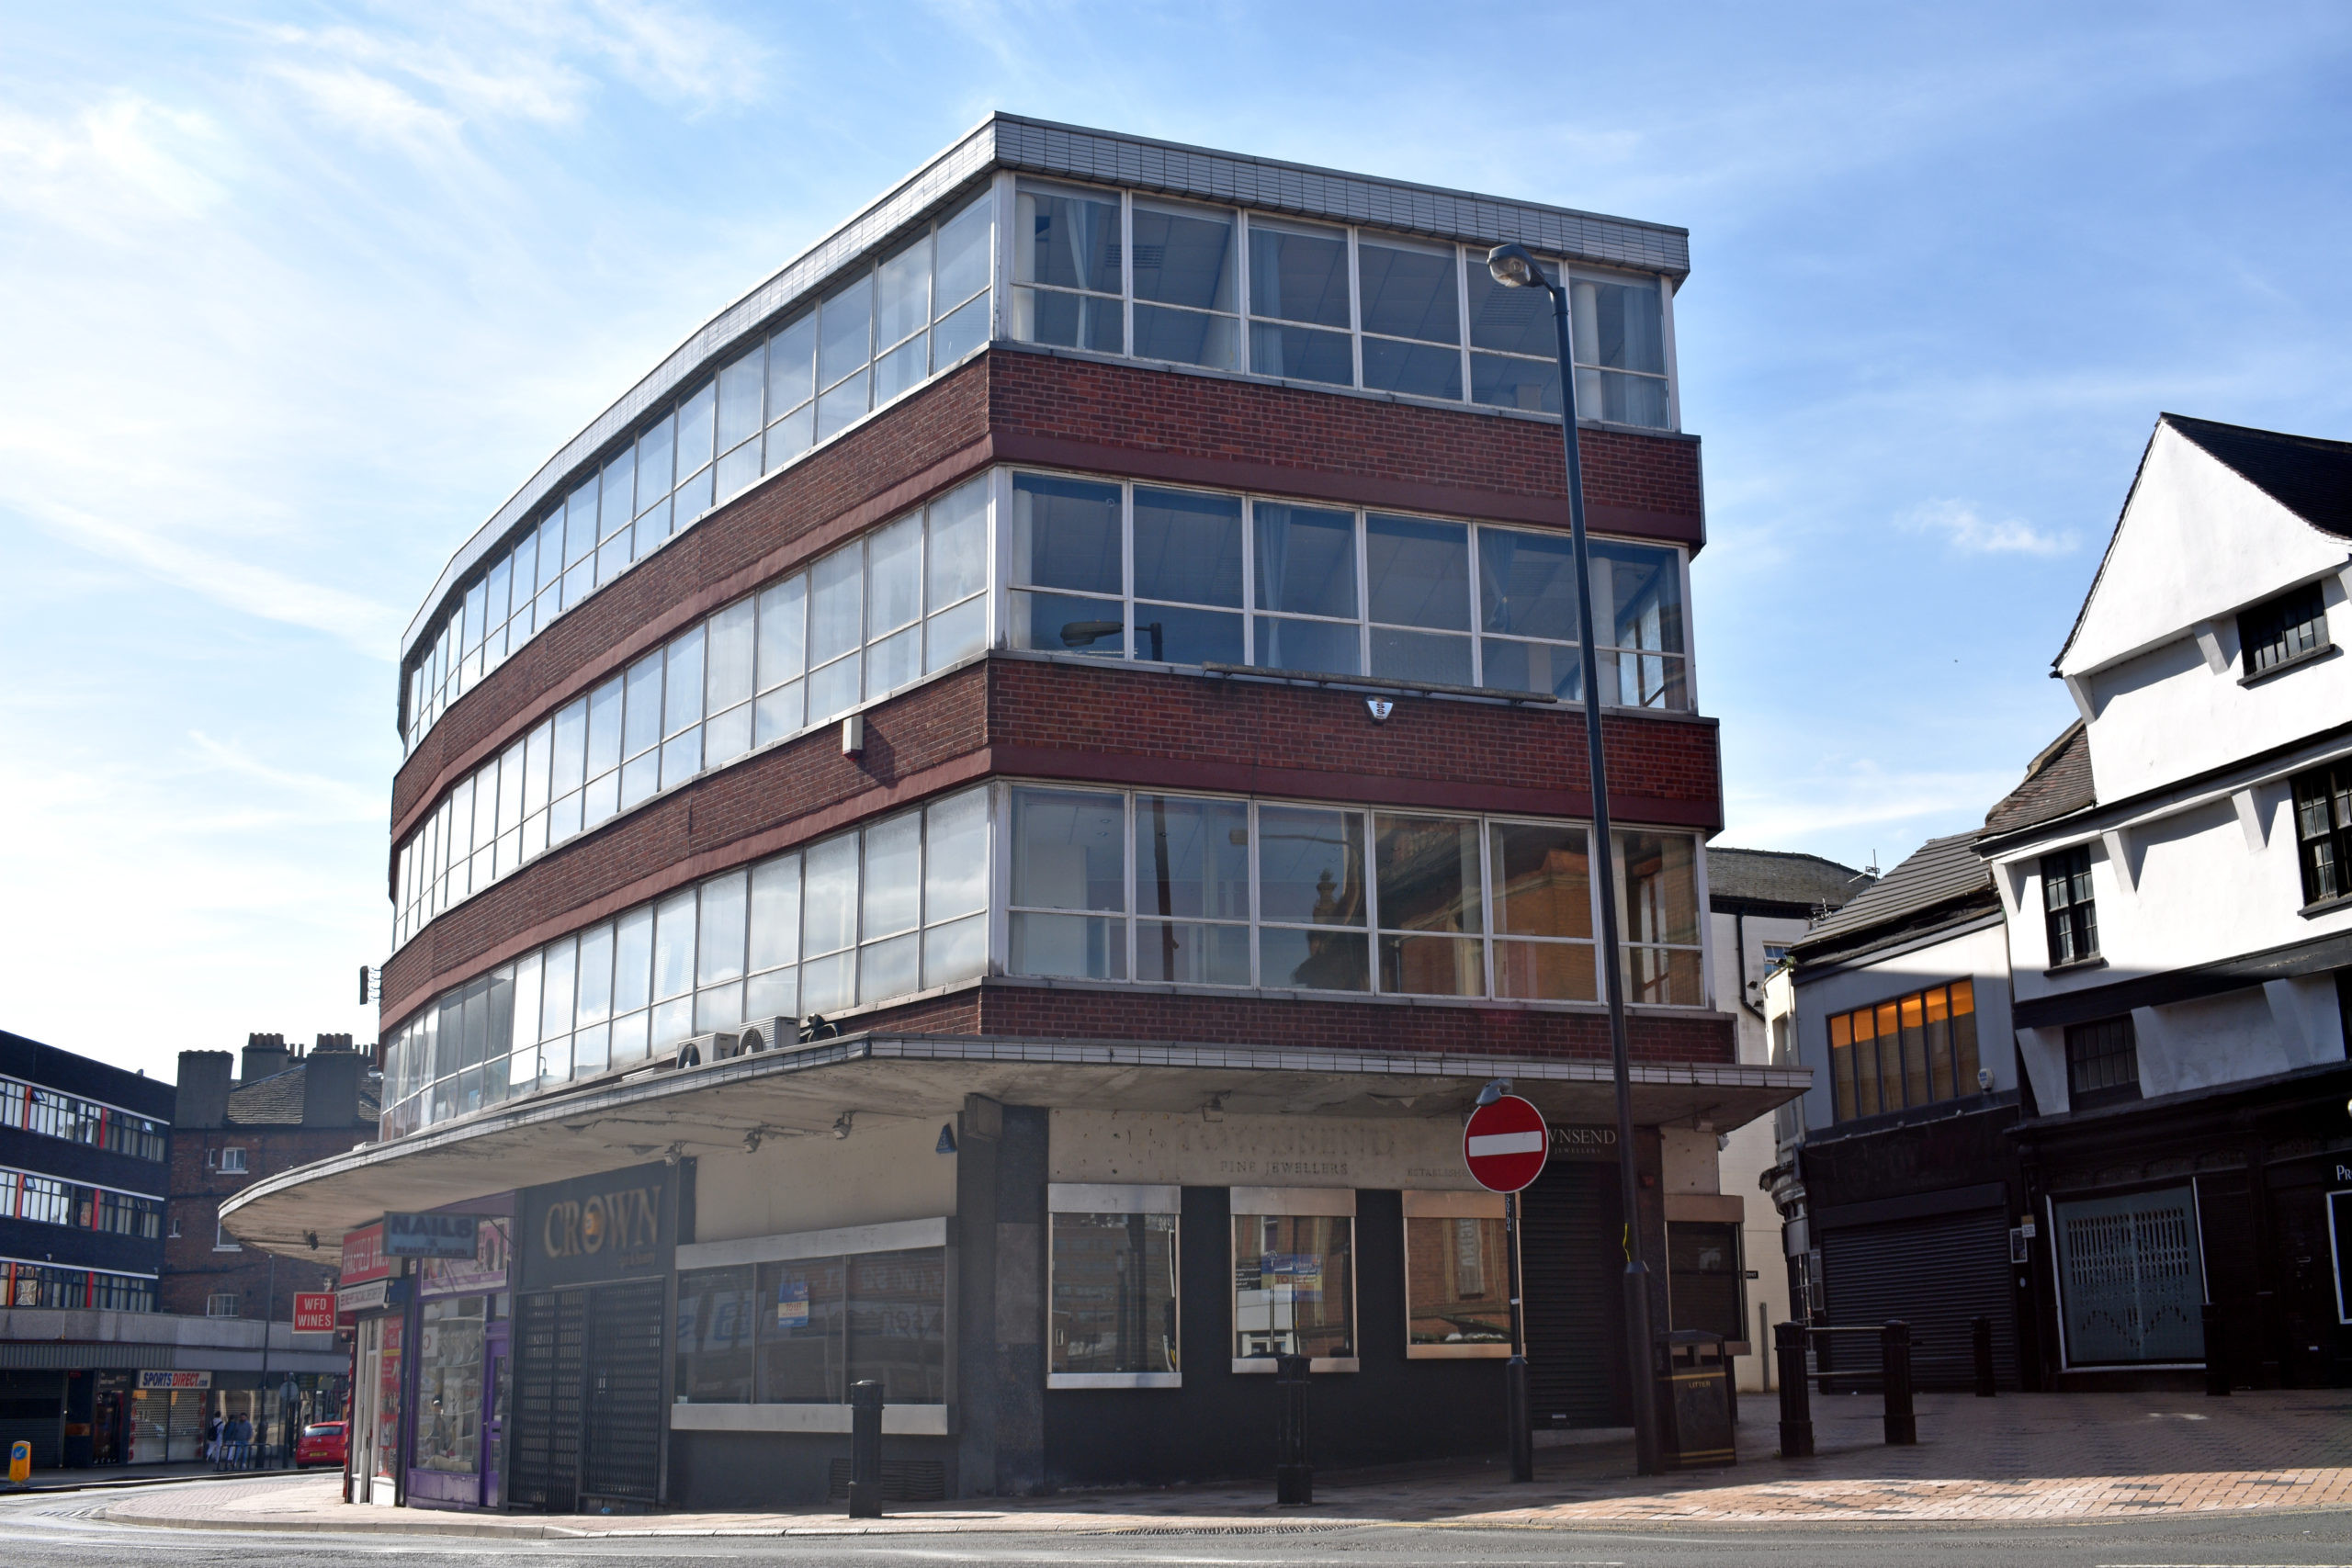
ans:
x=293 y=297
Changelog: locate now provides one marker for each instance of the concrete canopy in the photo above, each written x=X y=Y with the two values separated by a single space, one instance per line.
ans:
x=724 y=1107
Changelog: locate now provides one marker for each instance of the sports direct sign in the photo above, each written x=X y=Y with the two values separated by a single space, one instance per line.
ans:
x=1504 y=1144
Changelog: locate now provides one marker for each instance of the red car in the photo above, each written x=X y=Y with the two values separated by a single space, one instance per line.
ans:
x=320 y=1443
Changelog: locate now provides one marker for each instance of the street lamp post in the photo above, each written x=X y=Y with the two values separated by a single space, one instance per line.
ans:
x=1513 y=267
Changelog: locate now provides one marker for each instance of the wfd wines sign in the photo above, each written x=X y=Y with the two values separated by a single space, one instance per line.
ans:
x=622 y=1225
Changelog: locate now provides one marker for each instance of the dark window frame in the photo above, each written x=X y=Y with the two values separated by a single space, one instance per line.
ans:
x=2281 y=631
x=2069 y=911
x=2323 y=831
x=2102 y=1063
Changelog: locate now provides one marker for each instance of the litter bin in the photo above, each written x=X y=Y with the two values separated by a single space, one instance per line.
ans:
x=1694 y=1401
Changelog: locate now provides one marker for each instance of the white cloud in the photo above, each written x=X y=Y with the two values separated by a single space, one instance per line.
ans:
x=1967 y=530
x=115 y=163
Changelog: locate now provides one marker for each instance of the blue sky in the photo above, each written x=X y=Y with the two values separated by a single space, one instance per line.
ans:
x=292 y=297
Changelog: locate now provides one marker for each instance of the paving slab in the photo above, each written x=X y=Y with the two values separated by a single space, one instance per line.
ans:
x=2019 y=1459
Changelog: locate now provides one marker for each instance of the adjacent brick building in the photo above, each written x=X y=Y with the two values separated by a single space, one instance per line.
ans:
x=982 y=827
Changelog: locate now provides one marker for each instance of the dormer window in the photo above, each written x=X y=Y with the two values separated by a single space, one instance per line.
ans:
x=2282 y=631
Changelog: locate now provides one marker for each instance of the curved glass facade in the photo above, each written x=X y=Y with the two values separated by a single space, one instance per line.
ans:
x=1090 y=568
x=1092 y=268
x=1070 y=882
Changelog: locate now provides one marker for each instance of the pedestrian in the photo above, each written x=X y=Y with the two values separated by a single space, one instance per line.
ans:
x=212 y=1439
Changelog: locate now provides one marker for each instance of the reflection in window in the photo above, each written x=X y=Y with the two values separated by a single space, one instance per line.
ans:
x=1431 y=897
x=1069 y=868
x=1658 y=912
x=1312 y=899
x=1704 y=1277
x=1192 y=889
x=1294 y=1286
x=1114 y=1307
x=802 y=1331
x=1457 y=1280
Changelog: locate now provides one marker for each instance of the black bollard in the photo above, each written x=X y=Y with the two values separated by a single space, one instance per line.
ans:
x=1895 y=1362
x=1980 y=1330
x=866 y=1449
x=1796 y=1392
x=2216 y=1355
x=1294 y=1481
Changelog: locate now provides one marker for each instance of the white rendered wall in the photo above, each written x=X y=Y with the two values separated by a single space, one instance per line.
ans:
x=2197 y=544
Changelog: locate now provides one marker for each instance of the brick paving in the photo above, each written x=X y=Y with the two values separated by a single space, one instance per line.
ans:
x=2019 y=1459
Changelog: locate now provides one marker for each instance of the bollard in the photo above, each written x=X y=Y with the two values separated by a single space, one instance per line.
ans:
x=1294 y=1481
x=1980 y=1331
x=1796 y=1392
x=1894 y=1370
x=2217 y=1357
x=866 y=1449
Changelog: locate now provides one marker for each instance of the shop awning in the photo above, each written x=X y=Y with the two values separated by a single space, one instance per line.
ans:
x=660 y=1112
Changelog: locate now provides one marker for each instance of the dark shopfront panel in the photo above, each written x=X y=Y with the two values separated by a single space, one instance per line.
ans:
x=1221 y=1422
x=1937 y=1273
x=588 y=1428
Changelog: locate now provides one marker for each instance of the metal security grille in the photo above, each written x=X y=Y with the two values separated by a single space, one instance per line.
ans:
x=1572 y=1256
x=550 y=1345
x=2131 y=1278
x=1938 y=1274
x=621 y=1453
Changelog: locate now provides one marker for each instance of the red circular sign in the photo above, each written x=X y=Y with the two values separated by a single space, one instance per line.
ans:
x=1505 y=1145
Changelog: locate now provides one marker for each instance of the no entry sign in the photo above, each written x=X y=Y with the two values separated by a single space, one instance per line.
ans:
x=1504 y=1144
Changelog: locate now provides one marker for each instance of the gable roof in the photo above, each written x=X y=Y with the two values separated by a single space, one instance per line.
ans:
x=2312 y=477
x=1804 y=882
x=2309 y=477
x=277 y=1100
x=1943 y=881
x=2056 y=783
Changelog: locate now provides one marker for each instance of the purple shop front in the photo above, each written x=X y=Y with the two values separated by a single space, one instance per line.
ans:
x=458 y=1396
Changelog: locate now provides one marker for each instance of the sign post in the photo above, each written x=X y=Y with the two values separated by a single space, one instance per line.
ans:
x=1504 y=1144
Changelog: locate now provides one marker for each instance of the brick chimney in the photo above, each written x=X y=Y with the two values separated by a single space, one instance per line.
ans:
x=331 y=1083
x=265 y=1057
x=203 y=1100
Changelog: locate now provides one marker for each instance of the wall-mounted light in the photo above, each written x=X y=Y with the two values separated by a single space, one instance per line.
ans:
x=1380 y=709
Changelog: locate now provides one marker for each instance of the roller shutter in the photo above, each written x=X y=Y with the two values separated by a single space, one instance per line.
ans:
x=1572 y=1262
x=1938 y=1273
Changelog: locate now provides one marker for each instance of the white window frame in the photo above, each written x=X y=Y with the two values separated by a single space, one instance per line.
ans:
x=1298 y=1203
x=1101 y=1198
x=1465 y=1205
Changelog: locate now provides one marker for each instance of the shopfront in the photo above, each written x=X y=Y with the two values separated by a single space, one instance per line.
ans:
x=459 y=1388
x=590 y=1376
x=372 y=1299
x=170 y=1413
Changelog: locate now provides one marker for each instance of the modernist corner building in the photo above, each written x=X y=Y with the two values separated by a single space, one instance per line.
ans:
x=981 y=828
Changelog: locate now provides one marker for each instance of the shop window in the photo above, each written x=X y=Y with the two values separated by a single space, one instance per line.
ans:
x=2071 y=917
x=2102 y=1063
x=1112 y=1315
x=448 y=1384
x=1705 y=1286
x=2324 y=832
x=2340 y=1234
x=1293 y=1278
x=1913 y=1050
x=801 y=1330
x=2290 y=628
x=1457 y=1275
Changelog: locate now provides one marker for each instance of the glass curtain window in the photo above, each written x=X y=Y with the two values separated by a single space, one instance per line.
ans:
x=895 y=907
x=1514 y=344
x=1294 y=1286
x=802 y=1331
x=1528 y=618
x=1192 y=862
x=1300 y=314
x=1617 y=330
x=1432 y=902
x=1642 y=591
x=1068 y=872
x=1543 y=903
x=1115 y=1294
x=1188 y=577
x=878 y=334
x=1067 y=268
x=1913 y=1050
x=1658 y=913
x=1312 y=899
x=1457 y=1281
x=907 y=600
x=1069 y=566
x=1411 y=306
x=1186 y=288
x=1417 y=585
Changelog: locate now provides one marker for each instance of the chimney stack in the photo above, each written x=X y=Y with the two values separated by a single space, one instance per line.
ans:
x=203 y=1100
x=331 y=1083
x=265 y=1057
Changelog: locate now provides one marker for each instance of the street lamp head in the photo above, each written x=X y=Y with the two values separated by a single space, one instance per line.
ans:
x=1495 y=1089
x=1514 y=268
x=1084 y=634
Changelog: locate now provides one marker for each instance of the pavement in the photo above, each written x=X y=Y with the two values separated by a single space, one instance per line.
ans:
x=2018 y=1460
